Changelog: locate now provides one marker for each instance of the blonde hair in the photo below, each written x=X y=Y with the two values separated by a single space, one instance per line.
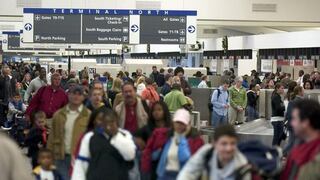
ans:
x=116 y=85
x=176 y=80
x=141 y=80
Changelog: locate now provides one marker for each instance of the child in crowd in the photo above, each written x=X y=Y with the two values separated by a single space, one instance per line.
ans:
x=16 y=106
x=45 y=170
x=106 y=154
x=37 y=136
x=171 y=147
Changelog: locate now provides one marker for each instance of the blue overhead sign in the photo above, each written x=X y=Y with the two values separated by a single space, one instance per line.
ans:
x=110 y=12
x=11 y=32
x=109 y=26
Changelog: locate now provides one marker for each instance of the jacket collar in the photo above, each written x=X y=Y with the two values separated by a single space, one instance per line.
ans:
x=79 y=110
x=237 y=162
x=83 y=112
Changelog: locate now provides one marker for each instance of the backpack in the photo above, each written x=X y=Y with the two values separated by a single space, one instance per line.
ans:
x=263 y=160
x=210 y=105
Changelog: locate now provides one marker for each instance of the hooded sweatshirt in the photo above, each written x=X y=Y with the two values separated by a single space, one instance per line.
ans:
x=197 y=163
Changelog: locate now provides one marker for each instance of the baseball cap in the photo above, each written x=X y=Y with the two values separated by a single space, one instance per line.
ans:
x=72 y=81
x=182 y=115
x=76 y=89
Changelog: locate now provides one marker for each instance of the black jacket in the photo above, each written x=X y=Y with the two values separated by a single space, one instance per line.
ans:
x=7 y=89
x=112 y=95
x=32 y=140
x=277 y=105
x=161 y=80
x=106 y=162
x=252 y=98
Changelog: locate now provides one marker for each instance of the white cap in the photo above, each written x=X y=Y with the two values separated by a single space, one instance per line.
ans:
x=182 y=115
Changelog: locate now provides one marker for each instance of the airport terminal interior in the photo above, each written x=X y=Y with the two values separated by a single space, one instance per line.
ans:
x=159 y=90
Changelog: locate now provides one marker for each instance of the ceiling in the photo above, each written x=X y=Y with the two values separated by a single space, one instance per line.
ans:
x=238 y=28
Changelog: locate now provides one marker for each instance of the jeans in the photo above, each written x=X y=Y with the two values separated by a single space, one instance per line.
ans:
x=252 y=113
x=217 y=119
x=291 y=142
x=63 y=167
x=134 y=173
x=278 y=133
x=169 y=175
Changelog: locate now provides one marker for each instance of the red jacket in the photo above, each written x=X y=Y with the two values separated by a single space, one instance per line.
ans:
x=159 y=138
x=299 y=156
x=47 y=100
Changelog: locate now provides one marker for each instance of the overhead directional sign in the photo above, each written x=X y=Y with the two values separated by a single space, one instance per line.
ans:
x=109 y=26
x=164 y=29
x=52 y=28
x=134 y=28
x=191 y=29
x=28 y=27
x=105 y=29
x=13 y=41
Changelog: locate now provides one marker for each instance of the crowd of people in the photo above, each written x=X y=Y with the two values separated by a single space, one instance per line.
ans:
x=79 y=128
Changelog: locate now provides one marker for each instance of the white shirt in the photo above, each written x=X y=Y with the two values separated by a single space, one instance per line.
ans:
x=300 y=81
x=49 y=77
x=140 y=88
x=68 y=127
x=46 y=175
x=172 y=159
x=203 y=84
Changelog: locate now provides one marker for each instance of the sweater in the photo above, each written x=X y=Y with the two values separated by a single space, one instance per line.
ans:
x=277 y=106
x=238 y=97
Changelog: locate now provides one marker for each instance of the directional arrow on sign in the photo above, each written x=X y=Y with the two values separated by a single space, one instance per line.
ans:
x=191 y=29
x=28 y=26
x=134 y=28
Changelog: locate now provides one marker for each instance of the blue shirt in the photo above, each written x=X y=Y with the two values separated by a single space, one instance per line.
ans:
x=219 y=102
x=245 y=84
